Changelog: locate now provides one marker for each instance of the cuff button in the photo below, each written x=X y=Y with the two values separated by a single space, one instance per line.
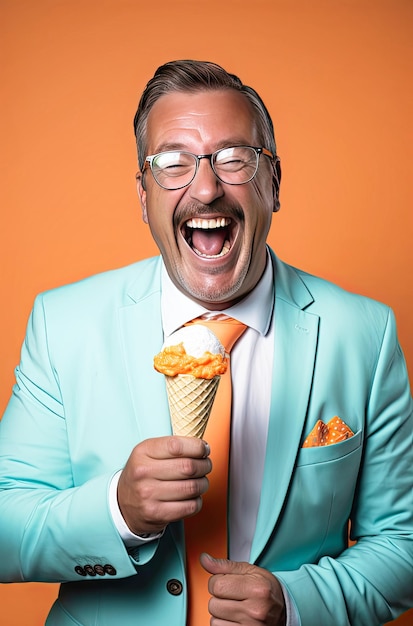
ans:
x=79 y=570
x=174 y=587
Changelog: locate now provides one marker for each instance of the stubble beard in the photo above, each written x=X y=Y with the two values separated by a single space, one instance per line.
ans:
x=213 y=294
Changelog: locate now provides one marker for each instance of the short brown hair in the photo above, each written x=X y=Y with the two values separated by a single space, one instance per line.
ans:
x=191 y=76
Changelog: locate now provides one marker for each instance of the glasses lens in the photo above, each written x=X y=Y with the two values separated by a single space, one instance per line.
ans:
x=236 y=165
x=173 y=170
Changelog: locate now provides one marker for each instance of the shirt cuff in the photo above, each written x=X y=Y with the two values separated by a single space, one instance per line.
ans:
x=292 y=617
x=128 y=537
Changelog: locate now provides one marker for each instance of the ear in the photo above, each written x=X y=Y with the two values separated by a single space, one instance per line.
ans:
x=142 y=196
x=276 y=180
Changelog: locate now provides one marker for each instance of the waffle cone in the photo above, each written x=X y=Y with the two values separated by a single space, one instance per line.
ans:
x=190 y=403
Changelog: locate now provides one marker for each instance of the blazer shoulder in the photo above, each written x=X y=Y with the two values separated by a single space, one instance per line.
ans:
x=343 y=308
x=339 y=309
x=123 y=285
x=325 y=291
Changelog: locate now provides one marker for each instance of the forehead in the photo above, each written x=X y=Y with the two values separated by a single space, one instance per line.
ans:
x=201 y=121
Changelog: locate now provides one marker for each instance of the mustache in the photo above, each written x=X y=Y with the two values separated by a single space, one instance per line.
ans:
x=197 y=209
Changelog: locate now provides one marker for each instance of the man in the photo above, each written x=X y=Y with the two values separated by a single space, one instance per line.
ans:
x=97 y=493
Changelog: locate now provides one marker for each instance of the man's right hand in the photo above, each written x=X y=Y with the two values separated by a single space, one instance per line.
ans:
x=162 y=482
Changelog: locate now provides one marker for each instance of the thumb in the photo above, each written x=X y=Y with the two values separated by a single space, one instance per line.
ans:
x=223 y=566
x=214 y=566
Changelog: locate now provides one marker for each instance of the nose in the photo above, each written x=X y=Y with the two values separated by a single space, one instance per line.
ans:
x=205 y=187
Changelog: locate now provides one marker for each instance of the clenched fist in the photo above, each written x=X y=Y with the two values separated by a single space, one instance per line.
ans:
x=162 y=482
x=243 y=594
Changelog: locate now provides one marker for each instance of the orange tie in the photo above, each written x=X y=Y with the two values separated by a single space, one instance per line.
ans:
x=207 y=531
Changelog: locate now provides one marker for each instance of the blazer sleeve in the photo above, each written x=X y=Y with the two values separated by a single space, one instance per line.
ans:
x=371 y=582
x=49 y=525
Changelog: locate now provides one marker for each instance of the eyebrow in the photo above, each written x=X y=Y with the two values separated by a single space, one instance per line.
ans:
x=227 y=143
x=170 y=146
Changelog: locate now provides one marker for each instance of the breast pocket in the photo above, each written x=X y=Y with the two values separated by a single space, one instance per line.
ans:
x=318 y=503
x=331 y=453
x=325 y=479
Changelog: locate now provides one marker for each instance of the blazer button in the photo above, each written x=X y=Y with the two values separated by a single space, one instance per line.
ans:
x=90 y=570
x=79 y=570
x=99 y=570
x=109 y=569
x=174 y=587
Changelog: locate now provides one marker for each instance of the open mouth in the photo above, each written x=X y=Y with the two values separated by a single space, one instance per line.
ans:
x=209 y=238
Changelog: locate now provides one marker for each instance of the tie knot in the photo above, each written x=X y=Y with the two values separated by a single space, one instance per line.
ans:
x=228 y=330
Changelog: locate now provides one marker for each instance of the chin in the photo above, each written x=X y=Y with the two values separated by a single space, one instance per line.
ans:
x=212 y=296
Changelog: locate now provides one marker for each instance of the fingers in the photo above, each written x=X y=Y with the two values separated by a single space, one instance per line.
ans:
x=174 y=490
x=170 y=459
x=175 y=447
x=163 y=481
x=168 y=470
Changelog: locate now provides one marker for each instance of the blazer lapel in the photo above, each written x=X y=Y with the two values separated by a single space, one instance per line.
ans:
x=296 y=333
x=142 y=338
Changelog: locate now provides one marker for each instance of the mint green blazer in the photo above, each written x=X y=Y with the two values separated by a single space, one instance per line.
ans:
x=86 y=393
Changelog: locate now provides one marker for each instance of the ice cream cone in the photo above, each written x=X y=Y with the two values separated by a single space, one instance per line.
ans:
x=190 y=403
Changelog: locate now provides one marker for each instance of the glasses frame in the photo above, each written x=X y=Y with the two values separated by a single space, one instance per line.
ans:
x=211 y=157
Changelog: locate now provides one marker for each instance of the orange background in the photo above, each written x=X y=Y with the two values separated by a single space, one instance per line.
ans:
x=336 y=76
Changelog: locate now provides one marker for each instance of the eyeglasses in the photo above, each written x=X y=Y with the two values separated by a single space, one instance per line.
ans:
x=176 y=169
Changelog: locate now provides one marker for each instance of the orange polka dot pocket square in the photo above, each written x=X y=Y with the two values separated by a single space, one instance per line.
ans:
x=326 y=434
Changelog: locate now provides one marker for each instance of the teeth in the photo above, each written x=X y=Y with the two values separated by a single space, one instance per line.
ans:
x=223 y=252
x=221 y=222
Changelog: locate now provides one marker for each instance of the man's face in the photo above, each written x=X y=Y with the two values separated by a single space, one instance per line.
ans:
x=215 y=265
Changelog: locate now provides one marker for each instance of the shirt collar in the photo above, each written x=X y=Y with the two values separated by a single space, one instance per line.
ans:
x=177 y=308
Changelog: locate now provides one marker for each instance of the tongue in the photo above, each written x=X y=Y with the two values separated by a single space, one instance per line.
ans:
x=210 y=241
